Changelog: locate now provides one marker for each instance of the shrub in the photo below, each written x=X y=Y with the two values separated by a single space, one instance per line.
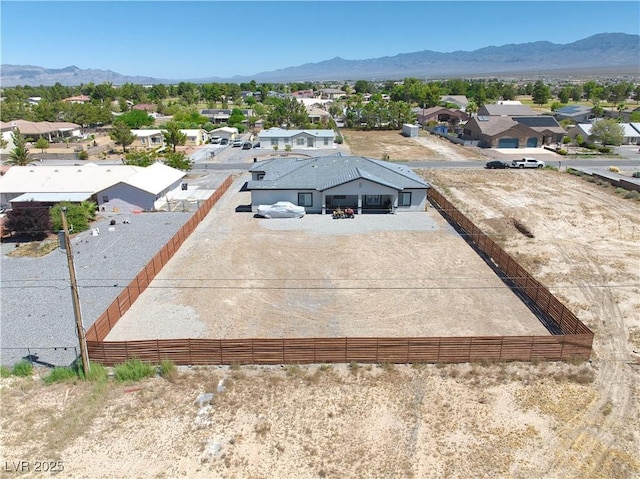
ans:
x=604 y=149
x=97 y=373
x=23 y=369
x=614 y=169
x=168 y=369
x=133 y=370
x=5 y=372
x=562 y=152
x=83 y=155
x=632 y=195
x=61 y=374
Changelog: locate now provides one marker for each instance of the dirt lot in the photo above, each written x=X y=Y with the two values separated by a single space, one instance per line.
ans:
x=426 y=421
x=376 y=275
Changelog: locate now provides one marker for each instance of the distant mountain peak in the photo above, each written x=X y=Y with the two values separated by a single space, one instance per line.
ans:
x=617 y=51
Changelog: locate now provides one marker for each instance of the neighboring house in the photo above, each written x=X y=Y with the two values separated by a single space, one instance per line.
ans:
x=323 y=184
x=147 y=138
x=548 y=126
x=221 y=115
x=501 y=132
x=195 y=137
x=440 y=114
x=51 y=131
x=575 y=113
x=78 y=99
x=296 y=138
x=331 y=94
x=228 y=132
x=506 y=110
x=34 y=100
x=460 y=100
x=318 y=115
x=141 y=191
x=112 y=187
x=631 y=135
x=305 y=94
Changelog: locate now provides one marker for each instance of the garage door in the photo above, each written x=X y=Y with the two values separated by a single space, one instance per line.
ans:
x=532 y=143
x=508 y=143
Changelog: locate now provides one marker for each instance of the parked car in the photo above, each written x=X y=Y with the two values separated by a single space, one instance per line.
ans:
x=281 y=209
x=256 y=144
x=496 y=165
x=237 y=143
x=527 y=163
x=247 y=145
x=216 y=140
x=224 y=141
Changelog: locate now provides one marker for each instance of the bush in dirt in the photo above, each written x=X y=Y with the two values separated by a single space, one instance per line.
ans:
x=61 y=374
x=22 y=369
x=5 y=372
x=133 y=370
x=632 y=195
x=167 y=369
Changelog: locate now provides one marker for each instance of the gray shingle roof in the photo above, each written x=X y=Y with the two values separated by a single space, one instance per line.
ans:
x=328 y=171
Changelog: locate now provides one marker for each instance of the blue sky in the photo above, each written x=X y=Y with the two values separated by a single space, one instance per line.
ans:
x=201 y=39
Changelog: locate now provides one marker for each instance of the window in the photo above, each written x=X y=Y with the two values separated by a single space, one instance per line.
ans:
x=105 y=199
x=372 y=200
x=404 y=199
x=300 y=141
x=326 y=141
x=260 y=176
x=305 y=199
x=274 y=141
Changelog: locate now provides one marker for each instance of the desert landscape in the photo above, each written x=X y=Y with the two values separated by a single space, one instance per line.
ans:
x=485 y=420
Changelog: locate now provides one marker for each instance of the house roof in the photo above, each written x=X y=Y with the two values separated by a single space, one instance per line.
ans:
x=154 y=178
x=83 y=98
x=226 y=129
x=326 y=172
x=88 y=178
x=573 y=110
x=38 y=128
x=631 y=131
x=494 y=125
x=507 y=110
x=52 y=197
x=461 y=100
x=281 y=133
x=146 y=133
x=540 y=122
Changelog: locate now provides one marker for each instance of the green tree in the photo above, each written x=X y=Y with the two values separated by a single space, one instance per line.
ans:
x=236 y=118
x=541 y=93
x=136 y=119
x=140 y=158
x=173 y=136
x=78 y=215
x=121 y=134
x=564 y=95
x=3 y=143
x=179 y=161
x=42 y=144
x=20 y=155
x=608 y=132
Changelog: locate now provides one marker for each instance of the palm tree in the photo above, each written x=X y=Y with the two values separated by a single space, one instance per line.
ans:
x=19 y=156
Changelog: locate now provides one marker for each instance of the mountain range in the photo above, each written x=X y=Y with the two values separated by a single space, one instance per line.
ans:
x=610 y=52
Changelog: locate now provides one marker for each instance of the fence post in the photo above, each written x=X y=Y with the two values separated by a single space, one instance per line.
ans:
x=158 y=349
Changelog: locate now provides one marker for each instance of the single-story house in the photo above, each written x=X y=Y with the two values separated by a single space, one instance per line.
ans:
x=506 y=110
x=50 y=131
x=221 y=115
x=148 y=107
x=195 y=137
x=461 y=101
x=318 y=115
x=548 y=126
x=440 y=114
x=78 y=99
x=113 y=187
x=323 y=184
x=228 y=132
x=575 y=113
x=296 y=138
x=631 y=135
x=501 y=132
x=147 y=138
x=332 y=93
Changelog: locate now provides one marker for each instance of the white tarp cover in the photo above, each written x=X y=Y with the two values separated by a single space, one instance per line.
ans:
x=281 y=209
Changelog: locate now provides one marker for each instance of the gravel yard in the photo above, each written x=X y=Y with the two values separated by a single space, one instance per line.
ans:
x=407 y=274
x=37 y=311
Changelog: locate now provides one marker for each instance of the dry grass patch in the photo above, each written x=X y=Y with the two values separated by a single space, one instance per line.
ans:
x=35 y=249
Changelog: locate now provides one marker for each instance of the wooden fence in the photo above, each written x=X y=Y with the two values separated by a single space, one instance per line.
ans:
x=575 y=342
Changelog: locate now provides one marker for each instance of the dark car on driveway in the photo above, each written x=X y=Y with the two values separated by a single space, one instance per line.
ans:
x=247 y=145
x=497 y=165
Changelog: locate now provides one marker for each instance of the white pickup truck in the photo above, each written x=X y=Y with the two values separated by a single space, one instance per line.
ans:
x=527 y=163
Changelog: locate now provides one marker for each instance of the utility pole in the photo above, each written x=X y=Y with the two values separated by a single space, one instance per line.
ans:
x=74 y=294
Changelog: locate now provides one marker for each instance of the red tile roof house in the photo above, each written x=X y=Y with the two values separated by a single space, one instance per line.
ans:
x=78 y=99
x=149 y=107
